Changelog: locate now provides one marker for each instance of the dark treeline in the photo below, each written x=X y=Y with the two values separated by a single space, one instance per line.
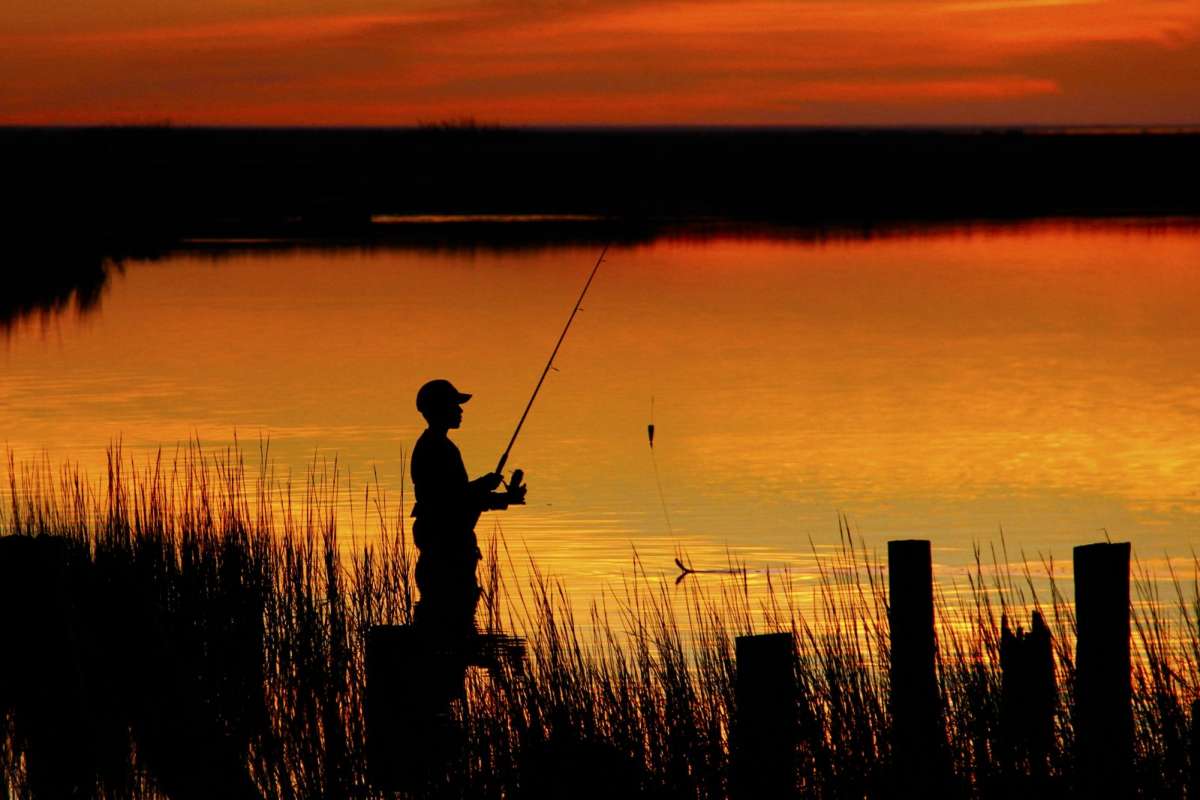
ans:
x=189 y=181
x=78 y=198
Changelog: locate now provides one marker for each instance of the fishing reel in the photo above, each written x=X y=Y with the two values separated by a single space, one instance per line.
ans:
x=516 y=490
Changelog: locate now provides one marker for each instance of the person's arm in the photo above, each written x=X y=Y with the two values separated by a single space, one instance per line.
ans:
x=489 y=500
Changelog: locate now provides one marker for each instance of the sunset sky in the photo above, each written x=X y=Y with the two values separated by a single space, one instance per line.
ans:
x=367 y=62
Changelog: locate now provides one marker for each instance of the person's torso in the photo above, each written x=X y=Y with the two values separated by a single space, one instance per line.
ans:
x=445 y=510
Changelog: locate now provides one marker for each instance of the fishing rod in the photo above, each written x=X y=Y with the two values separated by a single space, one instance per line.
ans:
x=517 y=474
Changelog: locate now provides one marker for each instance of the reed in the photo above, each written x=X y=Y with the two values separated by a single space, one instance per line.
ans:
x=225 y=609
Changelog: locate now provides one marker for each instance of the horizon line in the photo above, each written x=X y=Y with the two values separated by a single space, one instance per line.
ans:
x=469 y=125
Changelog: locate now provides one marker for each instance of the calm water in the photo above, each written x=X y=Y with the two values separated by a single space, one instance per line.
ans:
x=1042 y=380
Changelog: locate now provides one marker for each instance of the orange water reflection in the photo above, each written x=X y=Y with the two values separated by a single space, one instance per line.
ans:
x=1040 y=379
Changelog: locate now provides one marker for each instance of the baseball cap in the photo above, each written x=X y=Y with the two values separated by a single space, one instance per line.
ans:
x=439 y=393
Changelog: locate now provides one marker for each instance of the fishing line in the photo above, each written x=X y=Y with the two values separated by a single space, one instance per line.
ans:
x=654 y=460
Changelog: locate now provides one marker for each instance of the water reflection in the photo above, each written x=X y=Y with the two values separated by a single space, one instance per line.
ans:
x=944 y=384
x=42 y=288
x=60 y=276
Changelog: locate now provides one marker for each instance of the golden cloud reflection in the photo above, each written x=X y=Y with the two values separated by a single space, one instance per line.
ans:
x=1039 y=380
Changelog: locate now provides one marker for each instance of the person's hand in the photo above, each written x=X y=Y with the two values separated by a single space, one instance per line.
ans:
x=516 y=495
x=490 y=481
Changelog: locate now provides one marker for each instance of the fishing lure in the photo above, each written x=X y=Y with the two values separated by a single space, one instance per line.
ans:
x=650 y=427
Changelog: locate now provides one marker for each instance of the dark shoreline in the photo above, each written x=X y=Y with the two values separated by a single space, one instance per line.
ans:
x=192 y=181
x=77 y=199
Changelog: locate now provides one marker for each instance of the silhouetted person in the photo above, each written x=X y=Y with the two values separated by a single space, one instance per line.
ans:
x=448 y=506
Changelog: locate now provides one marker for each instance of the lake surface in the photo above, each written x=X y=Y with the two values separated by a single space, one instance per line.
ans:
x=946 y=384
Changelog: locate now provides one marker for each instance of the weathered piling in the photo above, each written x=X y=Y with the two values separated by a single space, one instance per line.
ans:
x=1103 y=713
x=394 y=710
x=918 y=734
x=1028 y=699
x=766 y=725
x=1193 y=776
x=413 y=676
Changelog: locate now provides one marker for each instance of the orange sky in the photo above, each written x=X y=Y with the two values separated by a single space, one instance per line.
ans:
x=303 y=62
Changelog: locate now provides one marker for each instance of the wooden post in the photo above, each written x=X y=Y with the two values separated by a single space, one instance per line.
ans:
x=1103 y=715
x=1028 y=700
x=766 y=727
x=1193 y=792
x=394 y=712
x=918 y=736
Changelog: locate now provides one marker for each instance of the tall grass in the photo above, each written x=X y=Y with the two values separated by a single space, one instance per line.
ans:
x=226 y=594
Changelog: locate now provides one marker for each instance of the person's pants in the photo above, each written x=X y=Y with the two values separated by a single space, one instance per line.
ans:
x=449 y=594
x=445 y=619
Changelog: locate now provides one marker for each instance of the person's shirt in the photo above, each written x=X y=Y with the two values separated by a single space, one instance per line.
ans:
x=446 y=498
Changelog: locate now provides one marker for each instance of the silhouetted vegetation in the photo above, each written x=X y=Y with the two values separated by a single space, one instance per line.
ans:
x=252 y=620
x=148 y=185
x=52 y=288
x=195 y=181
x=75 y=199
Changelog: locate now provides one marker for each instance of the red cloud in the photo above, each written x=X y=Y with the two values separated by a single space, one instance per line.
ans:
x=766 y=61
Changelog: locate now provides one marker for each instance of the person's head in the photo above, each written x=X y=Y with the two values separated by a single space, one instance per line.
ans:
x=441 y=404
